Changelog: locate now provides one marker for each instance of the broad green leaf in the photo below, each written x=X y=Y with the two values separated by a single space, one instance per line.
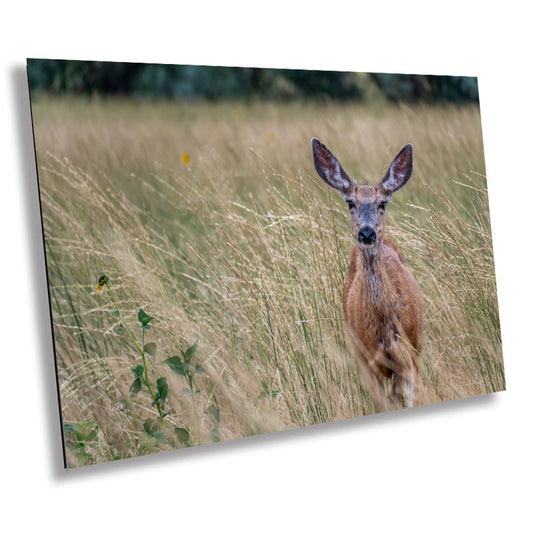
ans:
x=190 y=351
x=143 y=317
x=138 y=371
x=162 y=389
x=175 y=364
x=145 y=326
x=153 y=429
x=183 y=435
x=149 y=425
x=136 y=386
x=92 y=435
x=160 y=436
x=199 y=369
x=150 y=348
x=80 y=428
x=68 y=427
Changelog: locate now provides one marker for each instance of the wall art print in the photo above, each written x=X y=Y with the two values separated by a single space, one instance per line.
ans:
x=237 y=251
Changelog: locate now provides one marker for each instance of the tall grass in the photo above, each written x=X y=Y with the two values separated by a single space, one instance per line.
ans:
x=246 y=250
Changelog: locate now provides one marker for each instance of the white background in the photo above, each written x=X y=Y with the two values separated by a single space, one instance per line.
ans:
x=461 y=466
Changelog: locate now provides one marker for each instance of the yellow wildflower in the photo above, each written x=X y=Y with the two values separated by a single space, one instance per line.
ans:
x=101 y=282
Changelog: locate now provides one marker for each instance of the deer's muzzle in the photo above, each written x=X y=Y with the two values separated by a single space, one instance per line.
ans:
x=367 y=235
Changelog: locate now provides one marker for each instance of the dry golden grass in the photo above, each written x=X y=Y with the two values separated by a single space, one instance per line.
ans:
x=245 y=249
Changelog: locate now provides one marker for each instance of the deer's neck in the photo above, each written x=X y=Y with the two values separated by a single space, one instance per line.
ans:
x=377 y=296
x=374 y=281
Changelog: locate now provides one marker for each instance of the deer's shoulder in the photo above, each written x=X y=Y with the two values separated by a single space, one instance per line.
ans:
x=391 y=250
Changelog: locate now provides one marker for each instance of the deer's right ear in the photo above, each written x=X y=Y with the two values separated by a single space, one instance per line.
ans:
x=399 y=171
x=329 y=169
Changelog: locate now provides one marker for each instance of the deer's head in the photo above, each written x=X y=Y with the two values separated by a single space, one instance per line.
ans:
x=367 y=203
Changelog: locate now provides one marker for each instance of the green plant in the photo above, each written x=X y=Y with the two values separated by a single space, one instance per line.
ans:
x=140 y=372
x=182 y=366
x=268 y=392
x=79 y=437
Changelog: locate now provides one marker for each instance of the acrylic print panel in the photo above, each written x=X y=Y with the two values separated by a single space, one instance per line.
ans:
x=202 y=281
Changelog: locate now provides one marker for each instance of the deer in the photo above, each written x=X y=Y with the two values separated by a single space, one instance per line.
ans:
x=381 y=299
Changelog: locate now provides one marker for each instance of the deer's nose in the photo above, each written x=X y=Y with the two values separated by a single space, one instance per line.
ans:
x=367 y=235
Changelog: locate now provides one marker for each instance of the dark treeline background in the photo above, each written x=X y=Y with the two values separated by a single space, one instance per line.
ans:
x=51 y=76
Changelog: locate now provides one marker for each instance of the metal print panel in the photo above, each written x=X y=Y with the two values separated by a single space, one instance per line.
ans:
x=236 y=251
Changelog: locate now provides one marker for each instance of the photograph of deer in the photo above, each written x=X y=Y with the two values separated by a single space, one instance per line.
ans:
x=381 y=300
x=196 y=262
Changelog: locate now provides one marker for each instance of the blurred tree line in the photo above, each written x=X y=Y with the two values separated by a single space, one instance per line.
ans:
x=211 y=83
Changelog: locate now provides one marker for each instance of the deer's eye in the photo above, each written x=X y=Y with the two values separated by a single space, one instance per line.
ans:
x=351 y=205
x=382 y=206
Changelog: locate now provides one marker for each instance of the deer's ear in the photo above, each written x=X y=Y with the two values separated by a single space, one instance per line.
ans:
x=399 y=172
x=329 y=169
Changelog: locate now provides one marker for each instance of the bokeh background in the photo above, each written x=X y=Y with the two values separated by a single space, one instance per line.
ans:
x=193 y=82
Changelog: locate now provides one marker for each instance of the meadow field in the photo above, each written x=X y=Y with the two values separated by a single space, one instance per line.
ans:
x=210 y=217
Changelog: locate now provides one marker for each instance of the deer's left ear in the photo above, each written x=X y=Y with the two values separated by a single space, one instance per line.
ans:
x=399 y=172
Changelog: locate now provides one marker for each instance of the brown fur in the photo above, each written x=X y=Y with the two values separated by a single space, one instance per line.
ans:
x=385 y=325
x=381 y=300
